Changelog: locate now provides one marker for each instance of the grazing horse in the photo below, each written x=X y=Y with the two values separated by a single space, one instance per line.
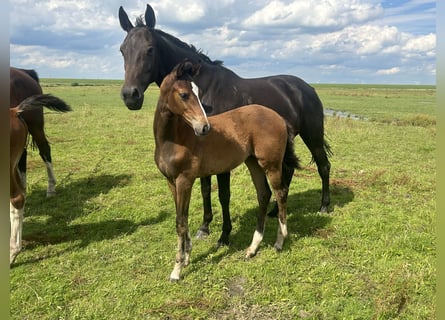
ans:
x=150 y=54
x=23 y=84
x=19 y=130
x=189 y=145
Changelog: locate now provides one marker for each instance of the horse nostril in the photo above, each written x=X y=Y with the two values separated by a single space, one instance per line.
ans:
x=130 y=93
x=206 y=129
x=135 y=94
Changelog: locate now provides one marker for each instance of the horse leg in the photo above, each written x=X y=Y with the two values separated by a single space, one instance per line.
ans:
x=324 y=168
x=182 y=189
x=281 y=191
x=224 y=199
x=263 y=196
x=21 y=166
x=288 y=173
x=16 y=212
x=206 y=188
x=42 y=143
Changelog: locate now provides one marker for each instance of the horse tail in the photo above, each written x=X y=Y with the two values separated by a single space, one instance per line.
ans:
x=290 y=158
x=327 y=148
x=28 y=107
x=43 y=100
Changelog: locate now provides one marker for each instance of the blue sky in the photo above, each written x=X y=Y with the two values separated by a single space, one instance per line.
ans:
x=323 y=41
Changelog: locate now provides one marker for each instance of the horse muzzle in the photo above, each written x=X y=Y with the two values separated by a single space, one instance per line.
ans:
x=202 y=130
x=132 y=98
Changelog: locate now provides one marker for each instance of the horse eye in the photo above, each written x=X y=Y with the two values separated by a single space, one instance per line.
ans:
x=150 y=51
x=183 y=95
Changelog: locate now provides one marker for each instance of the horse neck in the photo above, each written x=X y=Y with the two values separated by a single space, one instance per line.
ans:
x=167 y=124
x=171 y=53
x=213 y=77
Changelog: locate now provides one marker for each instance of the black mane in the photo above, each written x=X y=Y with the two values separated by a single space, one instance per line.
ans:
x=179 y=43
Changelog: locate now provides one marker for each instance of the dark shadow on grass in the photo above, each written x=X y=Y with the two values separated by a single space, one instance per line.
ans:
x=71 y=202
x=303 y=220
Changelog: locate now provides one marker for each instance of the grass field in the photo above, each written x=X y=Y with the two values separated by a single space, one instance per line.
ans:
x=103 y=248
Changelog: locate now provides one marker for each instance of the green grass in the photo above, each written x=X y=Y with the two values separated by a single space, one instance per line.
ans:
x=103 y=248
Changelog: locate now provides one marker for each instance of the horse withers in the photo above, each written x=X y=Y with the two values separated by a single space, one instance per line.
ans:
x=18 y=132
x=24 y=83
x=150 y=54
x=190 y=145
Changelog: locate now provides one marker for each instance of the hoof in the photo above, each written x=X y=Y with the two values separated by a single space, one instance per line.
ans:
x=323 y=209
x=250 y=253
x=278 y=247
x=201 y=234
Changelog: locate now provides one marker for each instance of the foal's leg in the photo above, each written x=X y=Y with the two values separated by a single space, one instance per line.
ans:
x=181 y=189
x=21 y=166
x=281 y=192
x=288 y=173
x=263 y=196
x=15 y=240
x=16 y=211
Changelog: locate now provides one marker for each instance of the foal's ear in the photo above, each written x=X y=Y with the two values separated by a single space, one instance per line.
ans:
x=150 y=19
x=124 y=21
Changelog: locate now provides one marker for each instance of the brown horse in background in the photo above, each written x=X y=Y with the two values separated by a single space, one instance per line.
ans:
x=19 y=129
x=189 y=146
x=23 y=84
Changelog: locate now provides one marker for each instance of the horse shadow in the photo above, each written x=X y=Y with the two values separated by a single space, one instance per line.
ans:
x=73 y=201
x=303 y=220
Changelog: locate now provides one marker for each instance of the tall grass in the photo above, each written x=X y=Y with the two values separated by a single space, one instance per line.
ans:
x=103 y=248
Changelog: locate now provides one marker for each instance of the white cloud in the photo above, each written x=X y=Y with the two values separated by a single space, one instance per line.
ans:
x=313 y=14
x=324 y=40
x=388 y=71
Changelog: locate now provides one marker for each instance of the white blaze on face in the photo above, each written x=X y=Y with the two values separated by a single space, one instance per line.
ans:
x=195 y=90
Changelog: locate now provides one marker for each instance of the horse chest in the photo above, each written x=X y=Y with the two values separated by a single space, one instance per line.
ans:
x=173 y=159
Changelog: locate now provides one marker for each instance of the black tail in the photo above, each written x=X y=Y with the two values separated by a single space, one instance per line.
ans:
x=290 y=158
x=43 y=100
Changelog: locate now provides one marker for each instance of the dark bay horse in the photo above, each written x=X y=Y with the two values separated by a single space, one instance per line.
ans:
x=189 y=145
x=150 y=54
x=23 y=84
x=18 y=132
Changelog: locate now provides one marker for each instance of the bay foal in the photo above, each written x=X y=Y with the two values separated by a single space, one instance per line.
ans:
x=18 y=134
x=189 y=145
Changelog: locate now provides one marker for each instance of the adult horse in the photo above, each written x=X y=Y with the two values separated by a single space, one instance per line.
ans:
x=150 y=54
x=18 y=132
x=23 y=84
x=252 y=134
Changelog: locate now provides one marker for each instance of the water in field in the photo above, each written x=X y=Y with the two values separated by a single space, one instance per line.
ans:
x=342 y=114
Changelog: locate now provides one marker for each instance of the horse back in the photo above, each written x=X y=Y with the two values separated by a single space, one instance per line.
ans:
x=22 y=85
x=251 y=130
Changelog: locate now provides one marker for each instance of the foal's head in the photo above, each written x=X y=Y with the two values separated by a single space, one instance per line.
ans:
x=179 y=94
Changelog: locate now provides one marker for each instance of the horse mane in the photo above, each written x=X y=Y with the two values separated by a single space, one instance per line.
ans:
x=179 y=43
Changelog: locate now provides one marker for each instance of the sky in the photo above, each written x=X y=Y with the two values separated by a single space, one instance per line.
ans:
x=320 y=41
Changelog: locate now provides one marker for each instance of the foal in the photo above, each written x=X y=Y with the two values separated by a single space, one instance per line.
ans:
x=18 y=132
x=189 y=145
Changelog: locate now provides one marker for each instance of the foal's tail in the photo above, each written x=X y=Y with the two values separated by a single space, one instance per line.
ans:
x=43 y=100
x=290 y=160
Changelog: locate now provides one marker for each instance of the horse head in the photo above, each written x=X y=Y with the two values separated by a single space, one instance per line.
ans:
x=140 y=57
x=181 y=97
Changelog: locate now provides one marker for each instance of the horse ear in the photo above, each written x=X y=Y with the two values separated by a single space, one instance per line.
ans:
x=124 y=21
x=150 y=19
x=195 y=69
